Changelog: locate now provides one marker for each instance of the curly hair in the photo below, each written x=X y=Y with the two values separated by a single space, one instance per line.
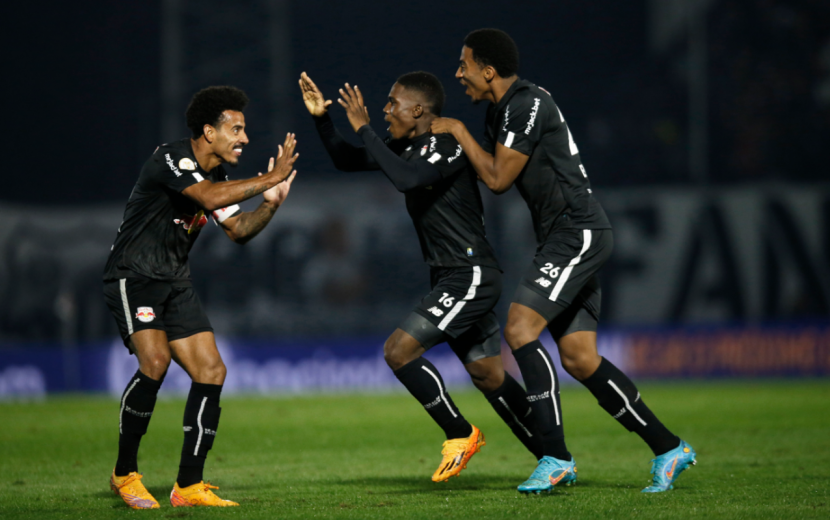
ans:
x=495 y=48
x=207 y=106
x=429 y=86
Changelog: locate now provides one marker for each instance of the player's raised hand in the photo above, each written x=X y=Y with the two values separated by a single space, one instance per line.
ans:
x=316 y=104
x=352 y=100
x=278 y=193
x=284 y=165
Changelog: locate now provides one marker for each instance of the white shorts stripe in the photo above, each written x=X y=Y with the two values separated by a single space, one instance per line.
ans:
x=199 y=424
x=122 y=283
x=471 y=293
x=627 y=405
x=552 y=387
x=440 y=391
x=509 y=141
x=586 y=243
x=124 y=404
x=502 y=401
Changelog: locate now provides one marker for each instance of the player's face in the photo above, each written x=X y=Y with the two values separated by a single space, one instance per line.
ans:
x=229 y=137
x=400 y=112
x=471 y=75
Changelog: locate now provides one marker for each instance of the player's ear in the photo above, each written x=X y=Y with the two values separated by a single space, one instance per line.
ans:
x=209 y=133
x=417 y=111
x=489 y=73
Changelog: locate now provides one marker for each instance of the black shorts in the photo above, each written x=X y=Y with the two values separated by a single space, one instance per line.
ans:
x=562 y=283
x=140 y=304
x=459 y=310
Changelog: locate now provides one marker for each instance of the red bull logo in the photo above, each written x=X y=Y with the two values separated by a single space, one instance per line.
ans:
x=145 y=314
x=194 y=222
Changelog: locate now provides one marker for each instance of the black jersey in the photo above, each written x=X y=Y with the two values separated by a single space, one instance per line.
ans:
x=554 y=182
x=160 y=224
x=439 y=185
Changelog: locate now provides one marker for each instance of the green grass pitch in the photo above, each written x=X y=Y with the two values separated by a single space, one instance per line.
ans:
x=763 y=451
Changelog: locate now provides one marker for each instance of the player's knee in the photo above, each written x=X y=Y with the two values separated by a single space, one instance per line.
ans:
x=580 y=364
x=392 y=354
x=155 y=365
x=213 y=373
x=517 y=333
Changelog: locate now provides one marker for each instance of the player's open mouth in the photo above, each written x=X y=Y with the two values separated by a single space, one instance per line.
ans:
x=237 y=151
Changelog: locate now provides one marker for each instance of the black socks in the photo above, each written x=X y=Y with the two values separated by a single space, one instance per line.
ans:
x=424 y=382
x=542 y=384
x=510 y=402
x=620 y=398
x=201 y=419
x=137 y=403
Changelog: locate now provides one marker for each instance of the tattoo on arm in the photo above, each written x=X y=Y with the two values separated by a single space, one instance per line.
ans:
x=251 y=223
x=255 y=190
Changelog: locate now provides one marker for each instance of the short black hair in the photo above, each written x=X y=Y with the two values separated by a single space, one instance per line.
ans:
x=428 y=85
x=207 y=106
x=495 y=48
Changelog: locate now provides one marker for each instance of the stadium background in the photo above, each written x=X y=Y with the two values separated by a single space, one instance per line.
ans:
x=704 y=126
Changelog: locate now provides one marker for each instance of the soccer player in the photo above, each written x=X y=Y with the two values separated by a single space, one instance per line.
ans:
x=148 y=289
x=443 y=200
x=527 y=143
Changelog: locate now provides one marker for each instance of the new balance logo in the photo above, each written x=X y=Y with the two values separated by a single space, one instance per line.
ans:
x=436 y=311
x=619 y=414
x=539 y=397
x=188 y=428
x=210 y=432
x=544 y=282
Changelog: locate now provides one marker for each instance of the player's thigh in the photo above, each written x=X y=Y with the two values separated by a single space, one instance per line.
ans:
x=459 y=299
x=554 y=280
x=137 y=304
x=575 y=331
x=199 y=357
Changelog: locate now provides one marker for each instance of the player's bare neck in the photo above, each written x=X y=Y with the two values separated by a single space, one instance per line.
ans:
x=205 y=156
x=499 y=87
x=421 y=126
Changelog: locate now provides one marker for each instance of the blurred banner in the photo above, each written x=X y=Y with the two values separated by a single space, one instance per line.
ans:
x=30 y=372
x=341 y=260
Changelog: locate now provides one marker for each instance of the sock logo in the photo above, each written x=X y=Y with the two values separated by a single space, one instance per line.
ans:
x=210 y=432
x=433 y=403
x=137 y=413
x=619 y=414
x=188 y=428
x=539 y=397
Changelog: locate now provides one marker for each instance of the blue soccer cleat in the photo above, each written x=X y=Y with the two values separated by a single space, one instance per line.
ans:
x=549 y=473
x=668 y=466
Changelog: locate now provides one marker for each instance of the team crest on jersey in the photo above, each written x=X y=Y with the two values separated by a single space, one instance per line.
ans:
x=469 y=251
x=424 y=150
x=187 y=164
x=145 y=314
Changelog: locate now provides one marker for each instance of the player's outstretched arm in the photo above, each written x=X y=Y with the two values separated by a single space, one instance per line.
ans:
x=245 y=226
x=346 y=157
x=497 y=171
x=213 y=196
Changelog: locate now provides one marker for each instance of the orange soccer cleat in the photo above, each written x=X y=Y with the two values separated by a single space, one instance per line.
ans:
x=457 y=452
x=132 y=491
x=197 y=495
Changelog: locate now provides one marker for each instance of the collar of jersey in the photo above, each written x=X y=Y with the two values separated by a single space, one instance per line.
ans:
x=515 y=87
